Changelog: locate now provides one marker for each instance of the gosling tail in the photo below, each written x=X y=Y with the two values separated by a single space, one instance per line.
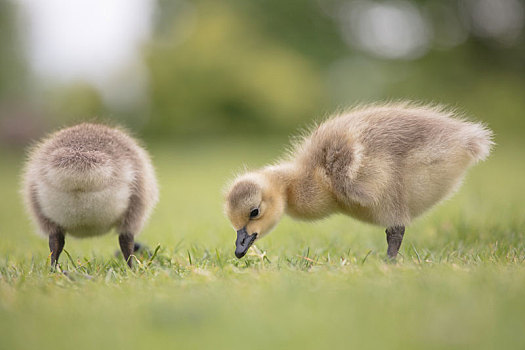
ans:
x=79 y=169
x=479 y=141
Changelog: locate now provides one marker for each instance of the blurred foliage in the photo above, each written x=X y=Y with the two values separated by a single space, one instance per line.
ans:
x=12 y=69
x=267 y=66
x=300 y=25
x=228 y=76
x=87 y=103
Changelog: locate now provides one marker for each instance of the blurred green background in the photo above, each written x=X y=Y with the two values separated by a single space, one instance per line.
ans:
x=186 y=69
x=213 y=86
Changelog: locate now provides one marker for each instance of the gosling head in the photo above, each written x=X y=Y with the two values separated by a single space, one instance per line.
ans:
x=254 y=205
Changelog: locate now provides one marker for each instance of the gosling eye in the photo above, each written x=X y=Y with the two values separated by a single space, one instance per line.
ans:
x=254 y=213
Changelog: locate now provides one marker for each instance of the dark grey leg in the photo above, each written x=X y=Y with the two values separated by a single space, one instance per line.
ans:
x=127 y=245
x=136 y=248
x=394 y=237
x=56 y=244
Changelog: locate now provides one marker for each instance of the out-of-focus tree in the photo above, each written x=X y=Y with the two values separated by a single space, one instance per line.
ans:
x=17 y=115
x=262 y=66
x=74 y=102
x=12 y=67
x=305 y=26
x=212 y=70
x=28 y=107
x=258 y=65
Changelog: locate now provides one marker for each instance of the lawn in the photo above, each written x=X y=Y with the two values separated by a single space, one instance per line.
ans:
x=459 y=282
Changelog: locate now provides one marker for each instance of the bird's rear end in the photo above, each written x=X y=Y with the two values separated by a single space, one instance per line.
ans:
x=86 y=180
x=478 y=141
x=78 y=170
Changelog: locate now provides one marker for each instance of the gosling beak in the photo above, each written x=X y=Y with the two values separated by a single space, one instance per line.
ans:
x=243 y=242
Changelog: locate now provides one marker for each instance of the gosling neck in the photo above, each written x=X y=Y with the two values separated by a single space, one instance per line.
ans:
x=281 y=176
x=304 y=197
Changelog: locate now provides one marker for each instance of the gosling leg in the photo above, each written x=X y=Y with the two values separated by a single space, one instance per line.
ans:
x=394 y=237
x=56 y=245
x=127 y=246
x=137 y=246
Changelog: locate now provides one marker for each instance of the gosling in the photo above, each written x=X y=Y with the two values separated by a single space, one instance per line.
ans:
x=381 y=164
x=86 y=180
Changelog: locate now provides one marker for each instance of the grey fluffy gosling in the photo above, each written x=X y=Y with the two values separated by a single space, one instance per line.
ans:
x=382 y=164
x=86 y=180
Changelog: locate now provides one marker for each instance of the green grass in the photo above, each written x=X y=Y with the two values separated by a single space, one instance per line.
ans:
x=459 y=282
